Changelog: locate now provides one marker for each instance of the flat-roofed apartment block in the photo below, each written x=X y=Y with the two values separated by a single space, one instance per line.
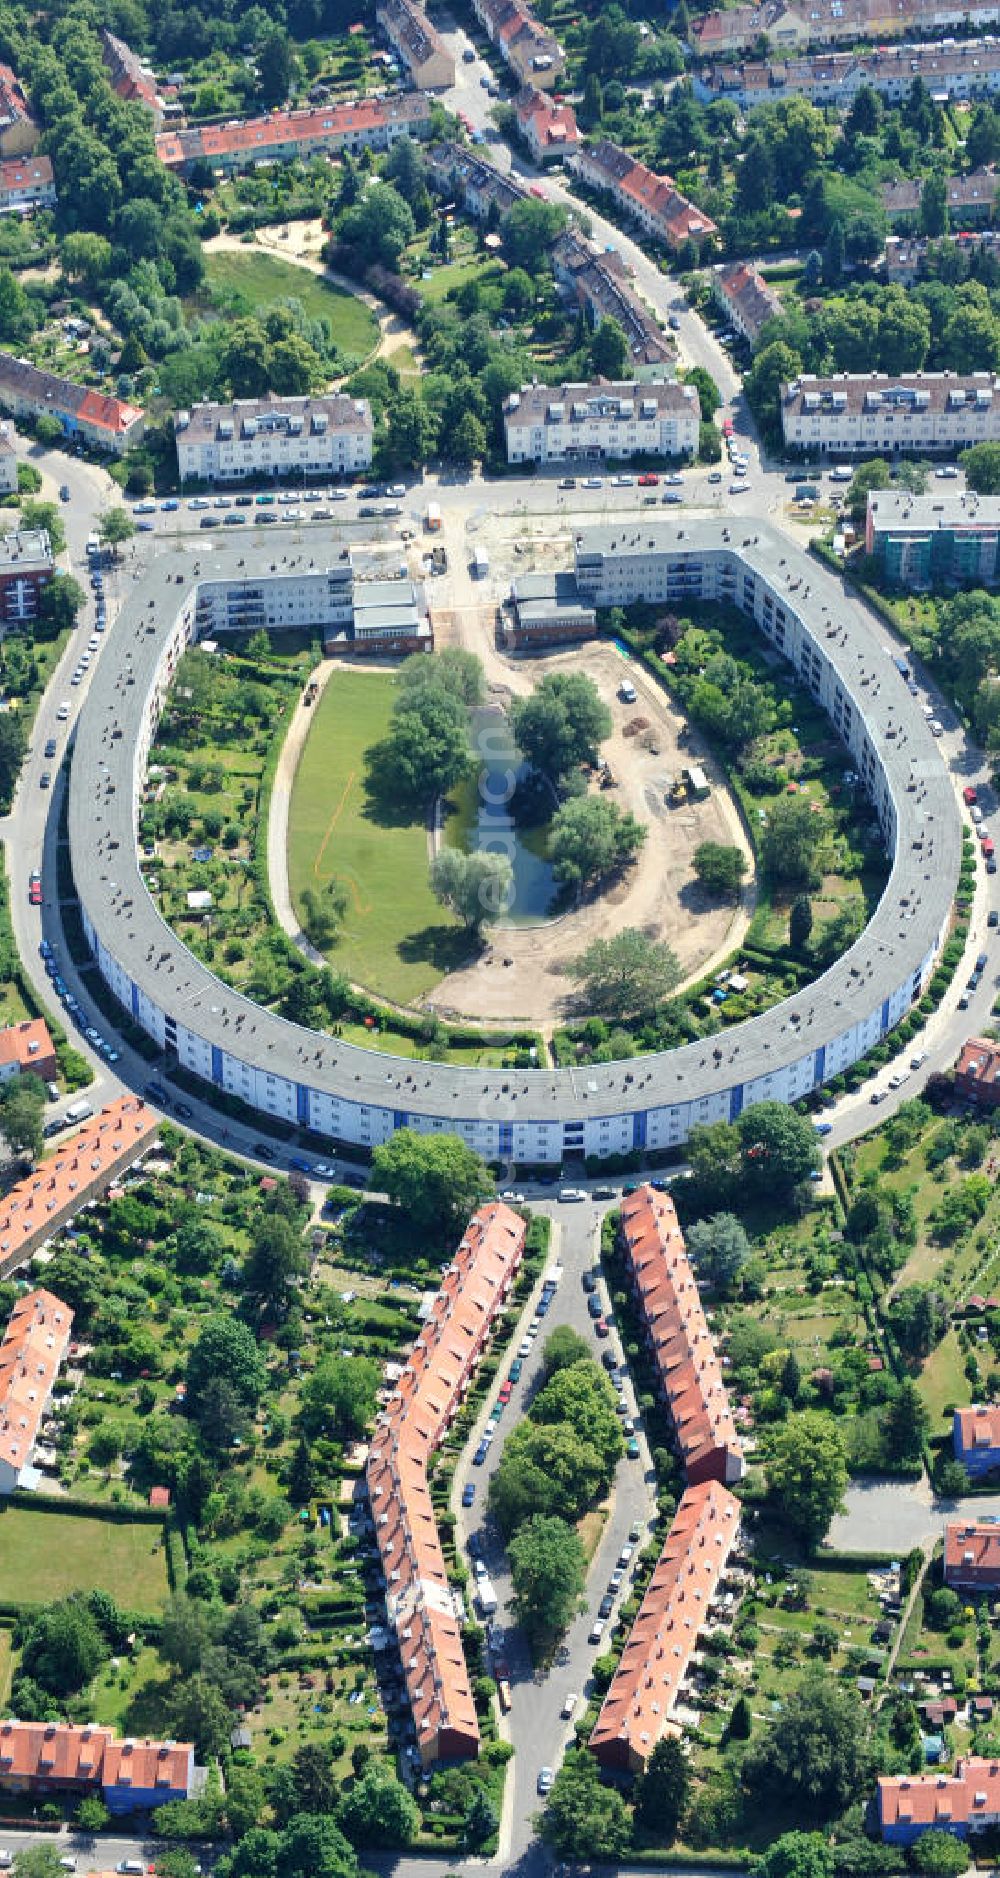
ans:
x=972 y=1555
x=323 y=436
x=548 y=610
x=26 y=567
x=649 y=1684
x=679 y=1339
x=107 y=423
x=608 y=418
x=34 y=1344
x=652 y=200
x=531 y=51
x=421 y=1607
x=959 y=69
x=26 y=183
x=429 y=62
x=365 y=124
x=935 y=540
x=390 y=620
x=919 y=413
x=602 y=285
x=19 y=132
x=746 y=297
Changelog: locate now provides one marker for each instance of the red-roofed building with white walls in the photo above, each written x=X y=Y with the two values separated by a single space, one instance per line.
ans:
x=34 y=1343
x=654 y=201
x=549 y=130
x=79 y=1171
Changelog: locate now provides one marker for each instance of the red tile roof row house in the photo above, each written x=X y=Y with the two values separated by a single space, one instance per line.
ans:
x=652 y=200
x=830 y=22
x=549 y=129
x=977 y=1072
x=640 y=1705
x=369 y=123
x=129 y=77
x=19 y=132
x=34 y=1344
x=76 y=1173
x=972 y=1555
x=27 y=1045
x=746 y=297
x=55 y=1757
x=679 y=1339
x=428 y=1395
x=107 y=423
x=967 y=1801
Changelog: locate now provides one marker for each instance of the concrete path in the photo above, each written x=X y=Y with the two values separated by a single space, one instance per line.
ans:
x=277 y=821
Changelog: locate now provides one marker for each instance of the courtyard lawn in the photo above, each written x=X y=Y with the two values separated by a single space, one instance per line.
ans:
x=47 y=1555
x=396 y=939
x=259 y=280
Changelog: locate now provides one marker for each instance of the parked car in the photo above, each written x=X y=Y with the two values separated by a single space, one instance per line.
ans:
x=468 y=1493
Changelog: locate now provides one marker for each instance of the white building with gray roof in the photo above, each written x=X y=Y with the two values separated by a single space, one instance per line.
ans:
x=608 y=418
x=264 y=437
x=870 y=414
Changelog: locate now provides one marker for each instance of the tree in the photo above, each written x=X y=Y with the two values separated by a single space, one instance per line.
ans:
x=807 y=1473
x=200 y=1713
x=60 y=602
x=609 y=350
x=63 y=1649
x=777 y=1147
x=410 y=431
x=833 y=254
x=545 y=1469
x=529 y=232
x=800 y=923
x=793 y=834
x=316 y=1786
x=378 y=227
x=85 y=257
x=21 y=1104
x=919 y=1319
x=379 y=1810
x=478 y=887
x=225 y=1352
x=719 y=1247
x=939 y=1855
x=115 y=528
x=709 y=395
x=562 y=1348
x=92 y=1815
x=719 y=867
x=591 y=838
x=816 y=1754
x=277 y=66
x=624 y=975
x=481 y=1822
x=871 y=475
x=434 y=1179
x=13 y=743
x=591 y=111
x=454 y=670
x=548 y=1573
x=797 y=1855
x=37 y=1861
x=662 y=1792
x=186 y=1632
x=613 y=44
x=981 y=464
x=277 y=1258
x=466 y=439
x=561 y=724
x=582 y=1818
x=427 y=750
x=338 y=1400
x=323 y=912
x=906 y=1424
x=934 y=205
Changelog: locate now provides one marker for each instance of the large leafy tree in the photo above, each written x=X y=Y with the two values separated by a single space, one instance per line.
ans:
x=797 y=1855
x=379 y=1810
x=548 y=1572
x=561 y=724
x=477 y=886
x=584 y=1819
x=662 y=1793
x=806 y=1472
x=64 y=1647
x=626 y=974
x=793 y=837
x=427 y=749
x=777 y=1147
x=225 y=1353
x=580 y=1397
x=816 y=1754
x=434 y=1179
x=378 y=226
x=545 y=1468
x=338 y=1399
x=719 y=1247
x=592 y=838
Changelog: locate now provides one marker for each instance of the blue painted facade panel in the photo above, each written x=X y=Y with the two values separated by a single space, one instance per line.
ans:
x=302 y=1104
x=216 y=1065
x=639 y=1121
x=736 y=1102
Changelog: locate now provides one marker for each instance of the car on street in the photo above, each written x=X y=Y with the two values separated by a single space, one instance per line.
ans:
x=594 y=1305
x=602 y=1327
x=45 y=779
x=635 y=1533
x=515 y=1370
x=506 y=1391
x=993 y=918
x=569 y=1704
x=468 y=1493
x=185 y=1111
x=596 y=1631
x=480 y=1454
x=648 y=480
x=625 y=1558
x=546 y=1779
x=524 y=1348
x=35 y=893
x=822 y=1128
x=607 y=1604
x=632 y=1449
x=64 y=492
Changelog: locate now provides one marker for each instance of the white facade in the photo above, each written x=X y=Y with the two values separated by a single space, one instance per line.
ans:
x=8 y=460
x=546 y=425
x=329 y=436
x=873 y=415
x=351 y=1094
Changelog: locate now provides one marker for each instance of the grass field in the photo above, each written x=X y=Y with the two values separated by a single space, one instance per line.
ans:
x=258 y=280
x=47 y=1555
x=396 y=939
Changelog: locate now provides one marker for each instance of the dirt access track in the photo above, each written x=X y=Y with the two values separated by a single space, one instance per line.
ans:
x=519 y=977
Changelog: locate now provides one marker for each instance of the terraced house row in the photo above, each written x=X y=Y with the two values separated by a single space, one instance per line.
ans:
x=364 y=124
x=831 y=22
x=652 y=200
x=960 y=69
x=532 y=52
x=646 y=1699
x=422 y=1610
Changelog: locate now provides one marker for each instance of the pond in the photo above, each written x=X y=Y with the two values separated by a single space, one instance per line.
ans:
x=480 y=818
